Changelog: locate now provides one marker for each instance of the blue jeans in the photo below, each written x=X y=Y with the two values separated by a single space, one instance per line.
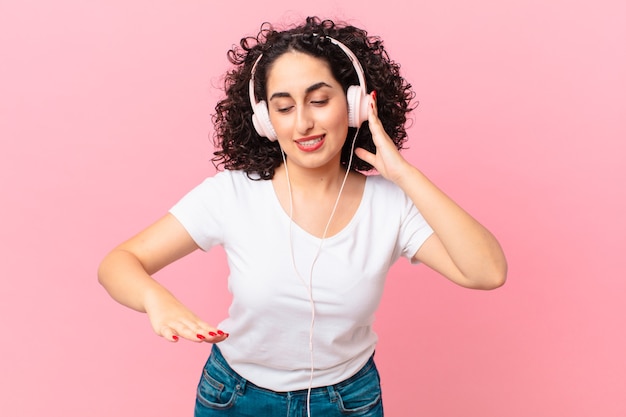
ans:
x=222 y=392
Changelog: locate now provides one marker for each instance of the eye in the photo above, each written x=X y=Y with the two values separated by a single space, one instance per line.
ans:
x=321 y=102
x=285 y=109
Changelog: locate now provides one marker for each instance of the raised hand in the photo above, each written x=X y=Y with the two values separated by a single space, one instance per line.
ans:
x=387 y=160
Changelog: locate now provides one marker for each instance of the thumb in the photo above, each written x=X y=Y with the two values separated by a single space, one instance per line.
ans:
x=365 y=155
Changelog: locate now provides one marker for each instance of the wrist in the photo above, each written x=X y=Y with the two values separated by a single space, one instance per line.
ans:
x=406 y=175
x=156 y=295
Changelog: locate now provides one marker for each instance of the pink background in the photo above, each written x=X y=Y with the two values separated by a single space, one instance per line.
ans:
x=104 y=124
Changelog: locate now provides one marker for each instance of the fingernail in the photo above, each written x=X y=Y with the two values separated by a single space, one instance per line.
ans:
x=221 y=333
x=175 y=337
x=212 y=334
x=374 y=94
x=199 y=336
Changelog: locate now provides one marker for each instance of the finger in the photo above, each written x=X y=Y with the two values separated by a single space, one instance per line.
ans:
x=169 y=334
x=198 y=336
x=194 y=329
x=207 y=333
x=375 y=125
x=221 y=336
x=374 y=102
x=217 y=335
x=372 y=116
x=185 y=330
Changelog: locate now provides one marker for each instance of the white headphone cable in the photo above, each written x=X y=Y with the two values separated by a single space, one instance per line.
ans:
x=309 y=286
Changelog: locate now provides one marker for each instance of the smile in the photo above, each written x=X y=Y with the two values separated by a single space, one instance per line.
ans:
x=311 y=143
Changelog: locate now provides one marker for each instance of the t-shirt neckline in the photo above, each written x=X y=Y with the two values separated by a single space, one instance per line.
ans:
x=285 y=215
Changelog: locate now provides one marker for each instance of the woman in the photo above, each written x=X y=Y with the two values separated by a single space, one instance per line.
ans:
x=309 y=238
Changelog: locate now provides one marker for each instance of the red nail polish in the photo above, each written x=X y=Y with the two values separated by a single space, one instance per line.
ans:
x=221 y=333
x=374 y=94
x=212 y=334
x=175 y=337
x=199 y=336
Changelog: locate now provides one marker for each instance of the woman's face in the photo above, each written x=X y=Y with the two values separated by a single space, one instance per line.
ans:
x=308 y=110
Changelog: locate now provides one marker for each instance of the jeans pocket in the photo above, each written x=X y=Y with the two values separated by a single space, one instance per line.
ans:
x=217 y=389
x=362 y=396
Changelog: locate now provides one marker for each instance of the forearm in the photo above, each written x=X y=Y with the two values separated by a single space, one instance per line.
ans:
x=471 y=247
x=126 y=280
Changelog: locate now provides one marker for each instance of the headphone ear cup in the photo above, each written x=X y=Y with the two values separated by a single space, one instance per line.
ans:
x=357 y=106
x=261 y=121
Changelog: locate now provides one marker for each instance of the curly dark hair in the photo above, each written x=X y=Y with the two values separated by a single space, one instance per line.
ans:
x=238 y=144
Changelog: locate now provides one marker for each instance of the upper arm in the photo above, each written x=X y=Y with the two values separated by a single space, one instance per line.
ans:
x=160 y=244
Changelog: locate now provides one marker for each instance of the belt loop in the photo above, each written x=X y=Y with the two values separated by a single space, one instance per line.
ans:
x=332 y=394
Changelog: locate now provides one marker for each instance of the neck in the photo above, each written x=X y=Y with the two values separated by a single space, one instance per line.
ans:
x=321 y=180
x=323 y=187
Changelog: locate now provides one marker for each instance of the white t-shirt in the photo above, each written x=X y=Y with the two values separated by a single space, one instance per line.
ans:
x=270 y=316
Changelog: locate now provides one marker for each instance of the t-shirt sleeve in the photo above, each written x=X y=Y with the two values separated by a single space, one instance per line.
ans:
x=200 y=211
x=414 y=231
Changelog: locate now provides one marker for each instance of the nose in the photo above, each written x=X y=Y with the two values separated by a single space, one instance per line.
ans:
x=304 y=120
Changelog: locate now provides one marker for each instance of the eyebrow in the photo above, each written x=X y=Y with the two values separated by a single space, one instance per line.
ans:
x=309 y=90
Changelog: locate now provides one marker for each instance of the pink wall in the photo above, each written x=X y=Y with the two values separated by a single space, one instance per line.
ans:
x=104 y=118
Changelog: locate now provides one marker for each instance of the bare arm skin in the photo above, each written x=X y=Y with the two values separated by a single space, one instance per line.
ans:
x=461 y=249
x=126 y=274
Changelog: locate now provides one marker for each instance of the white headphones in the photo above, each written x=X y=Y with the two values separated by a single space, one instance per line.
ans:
x=356 y=97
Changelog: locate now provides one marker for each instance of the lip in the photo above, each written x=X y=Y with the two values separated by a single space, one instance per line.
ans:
x=300 y=143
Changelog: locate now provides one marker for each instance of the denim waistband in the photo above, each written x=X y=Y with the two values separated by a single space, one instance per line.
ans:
x=219 y=359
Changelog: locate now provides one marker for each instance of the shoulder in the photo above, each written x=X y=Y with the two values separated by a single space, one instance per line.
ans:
x=385 y=195
x=381 y=187
x=224 y=186
x=221 y=194
x=229 y=179
x=229 y=175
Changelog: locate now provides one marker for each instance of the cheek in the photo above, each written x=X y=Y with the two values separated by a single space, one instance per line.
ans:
x=341 y=126
x=337 y=118
x=283 y=125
